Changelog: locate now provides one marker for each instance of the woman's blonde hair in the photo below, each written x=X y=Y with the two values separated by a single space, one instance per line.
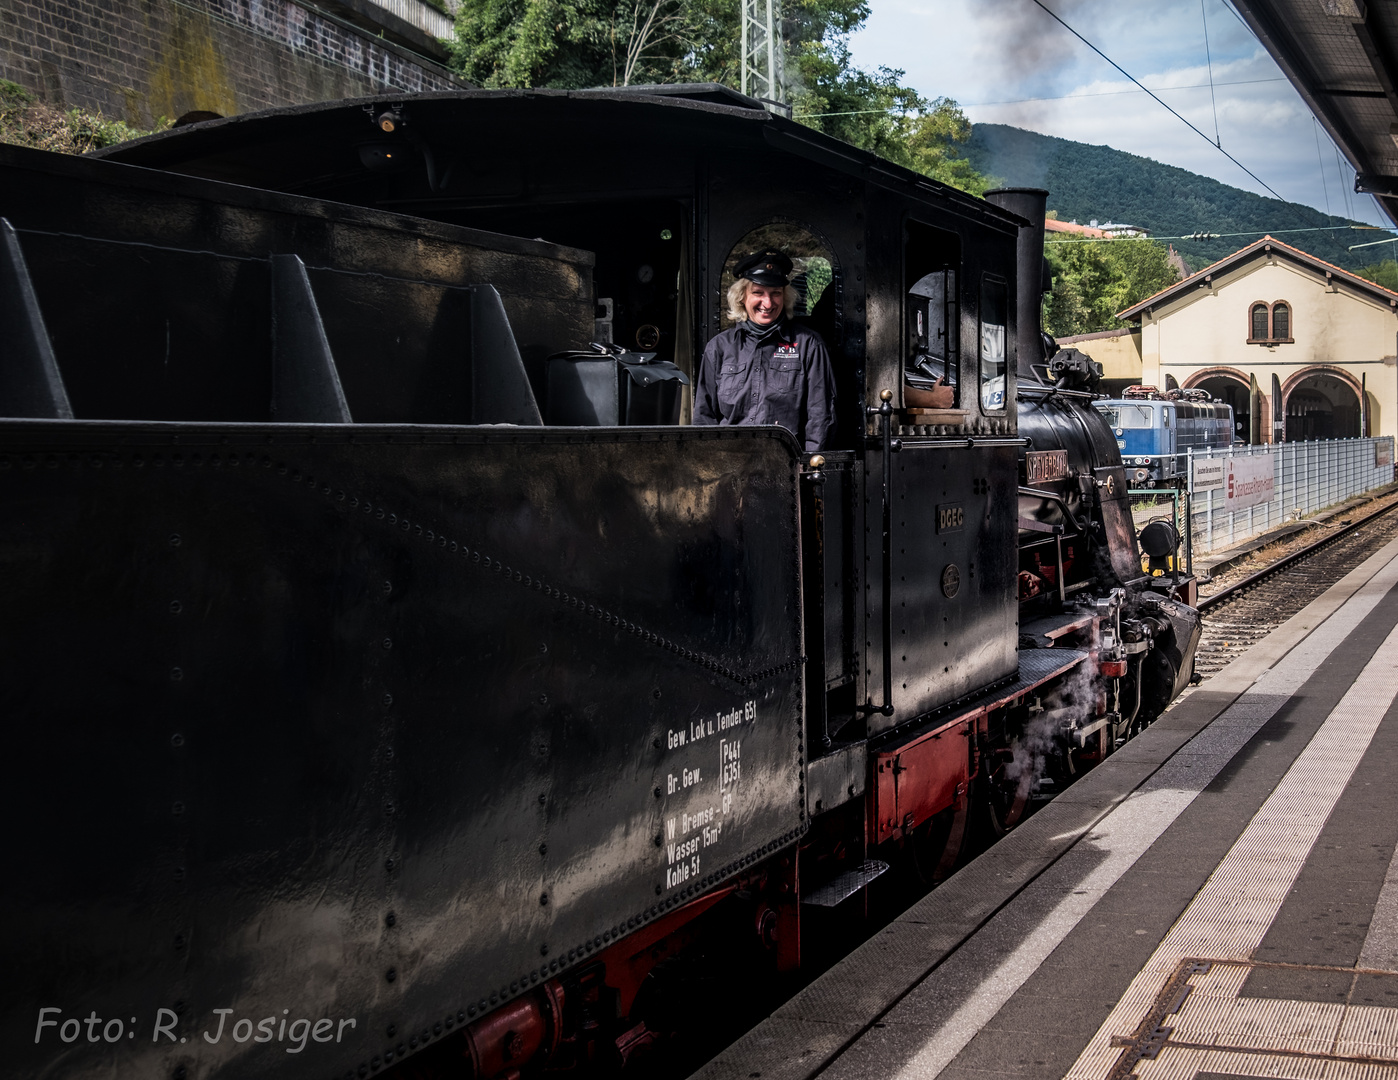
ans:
x=738 y=292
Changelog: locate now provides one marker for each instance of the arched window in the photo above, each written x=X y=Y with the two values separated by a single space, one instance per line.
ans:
x=1259 y=323
x=813 y=272
x=1269 y=324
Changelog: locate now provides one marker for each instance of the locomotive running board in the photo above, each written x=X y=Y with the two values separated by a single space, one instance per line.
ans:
x=1036 y=667
x=846 y=885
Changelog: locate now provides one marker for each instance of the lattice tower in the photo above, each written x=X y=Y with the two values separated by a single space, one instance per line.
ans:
x=763 y=74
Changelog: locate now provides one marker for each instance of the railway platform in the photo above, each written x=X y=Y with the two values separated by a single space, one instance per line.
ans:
x=1218 y=899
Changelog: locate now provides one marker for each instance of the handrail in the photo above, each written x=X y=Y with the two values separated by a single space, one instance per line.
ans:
x=885 y=414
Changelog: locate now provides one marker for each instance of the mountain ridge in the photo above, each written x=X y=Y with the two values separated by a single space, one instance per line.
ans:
x=1088 y=181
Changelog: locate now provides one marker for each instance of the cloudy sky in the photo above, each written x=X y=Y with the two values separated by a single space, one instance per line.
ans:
x=1007 y=62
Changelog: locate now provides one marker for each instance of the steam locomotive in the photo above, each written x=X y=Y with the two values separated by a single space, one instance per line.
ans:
x=362 y=721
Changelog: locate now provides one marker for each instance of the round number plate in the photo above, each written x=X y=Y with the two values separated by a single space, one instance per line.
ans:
x=951 y=581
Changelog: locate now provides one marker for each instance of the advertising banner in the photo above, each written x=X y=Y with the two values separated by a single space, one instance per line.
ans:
x=1207 y=474
x=1383 y=453
x=1248 y=482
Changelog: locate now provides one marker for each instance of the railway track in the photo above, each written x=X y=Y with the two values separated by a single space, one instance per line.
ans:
x=1248 y=606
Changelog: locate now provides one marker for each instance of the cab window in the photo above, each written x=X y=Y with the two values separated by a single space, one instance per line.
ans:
x=1128 y=416
x=994 y=305
x=931 y=316
x=932 y=338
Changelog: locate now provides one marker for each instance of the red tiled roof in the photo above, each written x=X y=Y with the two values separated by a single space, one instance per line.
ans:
x=1054 y=225
x=1242 y=255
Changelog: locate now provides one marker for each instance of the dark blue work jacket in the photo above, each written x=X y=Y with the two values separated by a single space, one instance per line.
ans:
x=785 y=380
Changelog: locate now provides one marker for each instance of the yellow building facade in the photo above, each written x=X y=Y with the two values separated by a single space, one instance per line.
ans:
x=1300 y=348
x=1118 y=351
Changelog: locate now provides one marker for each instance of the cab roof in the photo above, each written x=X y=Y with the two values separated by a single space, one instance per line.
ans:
x=320 y=149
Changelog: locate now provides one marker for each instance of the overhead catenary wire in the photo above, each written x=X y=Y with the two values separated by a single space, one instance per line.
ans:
x=1344 y=189
x=1048 y=11
x=1117 y=93
x=1209 y=59
x=1060 y=97
x=1233 y=235
x=1233 y=11
x=1373 y=243
x=1324 y=184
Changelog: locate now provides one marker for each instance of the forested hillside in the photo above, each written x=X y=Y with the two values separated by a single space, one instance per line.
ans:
x=1086 y=182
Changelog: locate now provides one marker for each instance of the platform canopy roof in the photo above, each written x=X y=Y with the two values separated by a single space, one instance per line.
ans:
x=1342 y=56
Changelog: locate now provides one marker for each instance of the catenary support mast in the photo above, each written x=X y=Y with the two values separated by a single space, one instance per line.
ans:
x=763 y=75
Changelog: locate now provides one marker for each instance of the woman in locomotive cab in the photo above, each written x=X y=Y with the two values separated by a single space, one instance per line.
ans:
x=766 y=369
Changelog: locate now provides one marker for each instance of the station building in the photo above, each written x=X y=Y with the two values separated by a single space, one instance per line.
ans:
x=1301 y=349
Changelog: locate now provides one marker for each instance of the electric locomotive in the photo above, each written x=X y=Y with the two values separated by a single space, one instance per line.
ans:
x=1155 y=432
x=370 y=720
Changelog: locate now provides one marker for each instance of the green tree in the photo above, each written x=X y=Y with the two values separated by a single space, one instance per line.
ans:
x=574 y=44
x=934 y=145
x=1092 y=281
x=528 y=43
x=715 y=27
x=1381 y=273
x=571 y=44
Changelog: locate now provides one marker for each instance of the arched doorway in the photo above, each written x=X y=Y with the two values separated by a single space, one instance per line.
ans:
x=1231 y=390
x=1321 y=405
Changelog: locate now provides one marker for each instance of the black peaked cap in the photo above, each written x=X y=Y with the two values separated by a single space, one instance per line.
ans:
x=765 y=268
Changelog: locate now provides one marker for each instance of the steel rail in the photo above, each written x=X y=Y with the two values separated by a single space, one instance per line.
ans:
x=1248 y=582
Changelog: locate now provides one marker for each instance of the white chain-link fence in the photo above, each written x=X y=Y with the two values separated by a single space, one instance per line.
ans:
x=1306 y=477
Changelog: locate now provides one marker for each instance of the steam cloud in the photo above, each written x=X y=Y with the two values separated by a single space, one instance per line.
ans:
x=1041 y=740
x=1026 y=40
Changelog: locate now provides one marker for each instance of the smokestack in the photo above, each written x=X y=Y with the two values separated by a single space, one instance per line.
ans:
x=1028 y=203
